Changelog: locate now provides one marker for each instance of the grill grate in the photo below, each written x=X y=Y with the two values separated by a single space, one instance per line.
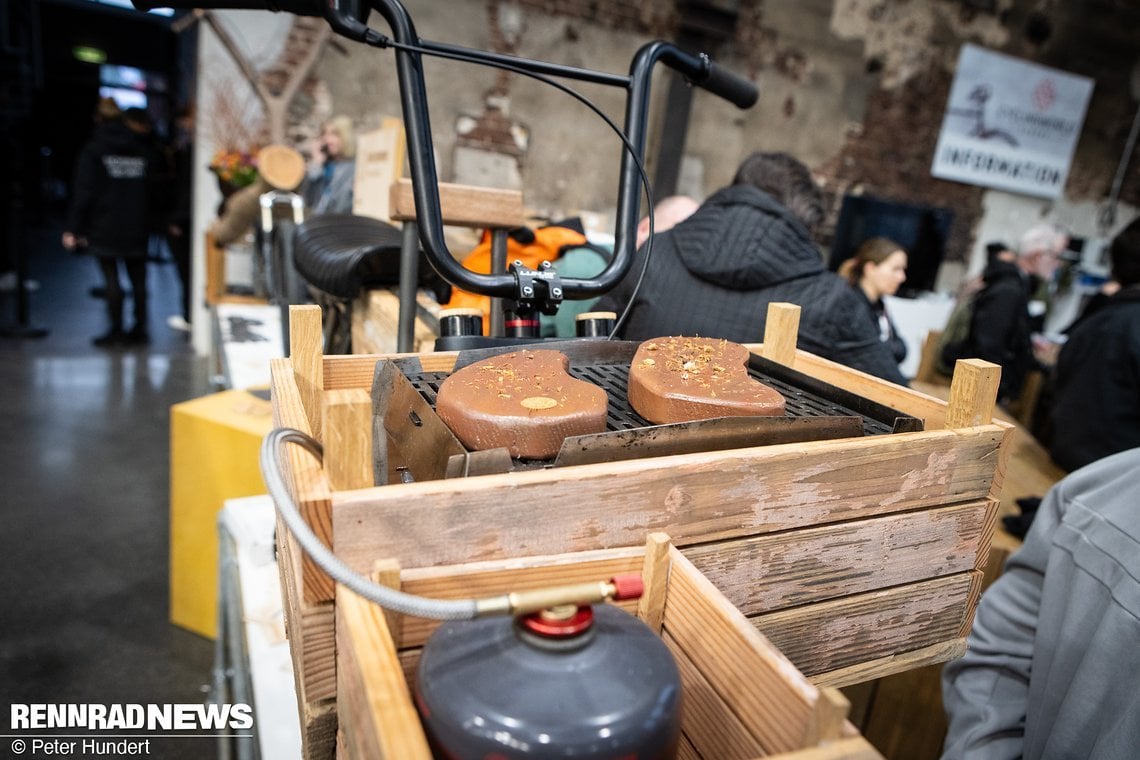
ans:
x=614 y=379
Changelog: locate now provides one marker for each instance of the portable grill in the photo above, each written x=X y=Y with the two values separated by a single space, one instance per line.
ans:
x=412 y=443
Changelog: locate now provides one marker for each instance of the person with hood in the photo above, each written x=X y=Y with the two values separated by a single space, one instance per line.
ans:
x=748 y=245
x=108 y=217
x=1001 y=325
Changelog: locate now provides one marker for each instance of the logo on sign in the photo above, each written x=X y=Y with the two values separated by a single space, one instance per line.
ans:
x=1044 y=95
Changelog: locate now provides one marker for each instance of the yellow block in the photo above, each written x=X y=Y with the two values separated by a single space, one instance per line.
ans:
x=214 y=443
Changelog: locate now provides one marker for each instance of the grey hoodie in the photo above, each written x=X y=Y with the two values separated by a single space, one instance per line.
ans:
x=715 y=273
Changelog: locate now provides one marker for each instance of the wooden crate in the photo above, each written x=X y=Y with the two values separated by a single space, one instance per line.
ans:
x=857 y=558
x=741 y=698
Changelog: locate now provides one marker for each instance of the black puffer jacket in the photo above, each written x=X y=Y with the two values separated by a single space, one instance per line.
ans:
x=1096 y=386
x=110 y=193
x=1000 y=329
x=877 y=313
x=714 y=274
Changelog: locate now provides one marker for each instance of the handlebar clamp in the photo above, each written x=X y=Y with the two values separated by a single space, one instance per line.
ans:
x=537 y=290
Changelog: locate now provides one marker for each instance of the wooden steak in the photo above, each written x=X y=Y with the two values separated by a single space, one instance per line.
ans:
x=684 y=379
x=524 y=401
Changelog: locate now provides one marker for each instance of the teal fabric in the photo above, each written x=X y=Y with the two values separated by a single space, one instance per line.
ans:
x=581 y=263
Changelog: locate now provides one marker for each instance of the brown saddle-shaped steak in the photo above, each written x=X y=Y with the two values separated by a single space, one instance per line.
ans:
x=685 y=379
x=524 y=401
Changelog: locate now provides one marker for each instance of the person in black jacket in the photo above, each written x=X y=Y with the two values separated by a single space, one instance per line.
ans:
x=179 y=215
x=1096 y=384
x=877 y=269
x=749 y=245
x=1001 y=325
x=108 y=217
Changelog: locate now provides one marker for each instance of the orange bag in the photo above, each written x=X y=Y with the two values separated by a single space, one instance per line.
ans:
x=547 y=245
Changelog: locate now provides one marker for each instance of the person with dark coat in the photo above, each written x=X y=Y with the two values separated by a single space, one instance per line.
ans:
x=1096 y=383
x=1001 y=326
x=108 y=217
x=749 y=245
x=179 y=214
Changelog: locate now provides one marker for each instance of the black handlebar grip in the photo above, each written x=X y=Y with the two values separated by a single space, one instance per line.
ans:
x=732 y=87
x=296 y=7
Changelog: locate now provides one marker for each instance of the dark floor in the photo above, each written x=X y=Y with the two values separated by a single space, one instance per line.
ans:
x=84 y=473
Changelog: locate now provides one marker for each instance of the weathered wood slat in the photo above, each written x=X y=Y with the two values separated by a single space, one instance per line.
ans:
x=916 y=404
x=763 y=687
x=309 y=628
x=845 y=749
x=308 y=621
x=768 y=573
x=348 y=438
x=372 y=697
x=943 y=651
x=318 y=730
x=694 y=498
x=358 y=370
x=386 y=572
x=308 y=481
x=462 y=205
x=707 y=721
x=685 y=750
x=311 y=639
x=837 y=634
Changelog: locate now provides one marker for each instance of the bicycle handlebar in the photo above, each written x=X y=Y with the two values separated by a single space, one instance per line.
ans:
x=347 y=18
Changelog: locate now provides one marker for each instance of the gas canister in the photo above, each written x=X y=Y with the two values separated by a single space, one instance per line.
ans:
x=587 y=682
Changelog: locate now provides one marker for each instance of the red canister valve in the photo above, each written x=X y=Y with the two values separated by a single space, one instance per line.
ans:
x=628 y=586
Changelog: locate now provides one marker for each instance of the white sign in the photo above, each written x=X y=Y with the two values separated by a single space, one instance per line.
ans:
x=1010 y=124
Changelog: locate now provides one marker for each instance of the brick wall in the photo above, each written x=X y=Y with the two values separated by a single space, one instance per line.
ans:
x=890 y=156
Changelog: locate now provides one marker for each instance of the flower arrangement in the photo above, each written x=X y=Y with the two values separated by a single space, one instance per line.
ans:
x=234 y=167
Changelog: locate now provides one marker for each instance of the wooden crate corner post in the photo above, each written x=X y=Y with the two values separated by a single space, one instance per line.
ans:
x=973 y=393
x=306 y=354
x=781 y=331
x=655 y=575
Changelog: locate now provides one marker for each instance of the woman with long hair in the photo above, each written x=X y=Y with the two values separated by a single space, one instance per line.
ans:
x=877 y=269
